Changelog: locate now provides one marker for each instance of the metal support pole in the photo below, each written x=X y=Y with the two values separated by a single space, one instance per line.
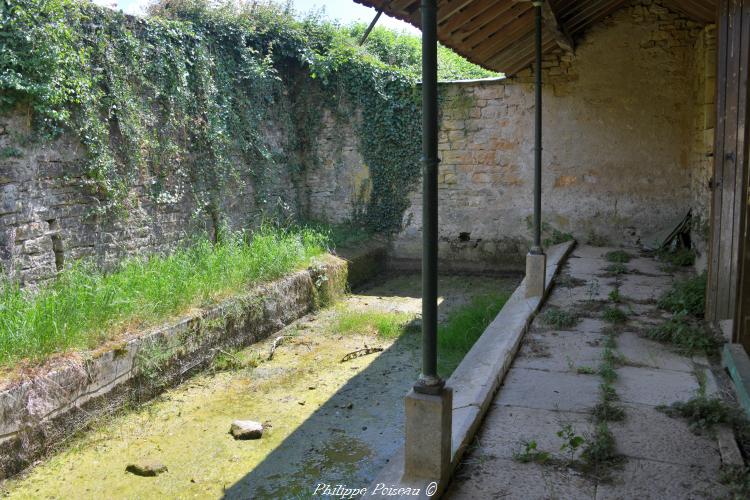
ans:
x=537 y=248
x=429 y=382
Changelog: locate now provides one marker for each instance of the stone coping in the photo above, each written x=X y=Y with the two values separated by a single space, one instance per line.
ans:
x=476 y=380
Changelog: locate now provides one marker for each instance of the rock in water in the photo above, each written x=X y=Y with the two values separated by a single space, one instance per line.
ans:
x=146 y=469
x=246 y=429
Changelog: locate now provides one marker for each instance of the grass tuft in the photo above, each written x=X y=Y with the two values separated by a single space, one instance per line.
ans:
x=557 y=318
x=682 y=257
x=685 y=333
x=84 y=307
x=616 y=269
x=704 y=413
x=463 y=327
x=456 y=335
x=618 y=256
x=687 y=296
x=387 y=325
x=614 y=315
x=600 y=448
x=608 y=412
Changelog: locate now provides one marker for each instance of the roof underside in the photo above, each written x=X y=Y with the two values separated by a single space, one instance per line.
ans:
x=499 y=34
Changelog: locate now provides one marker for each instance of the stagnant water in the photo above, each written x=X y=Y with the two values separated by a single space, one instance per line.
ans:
x=327 y=421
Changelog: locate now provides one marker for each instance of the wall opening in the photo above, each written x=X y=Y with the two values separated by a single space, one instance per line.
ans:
x=58 y=248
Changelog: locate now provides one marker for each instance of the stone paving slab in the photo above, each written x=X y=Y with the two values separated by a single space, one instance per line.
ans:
x=561 y=351
x=489 y=478
x=507 y=429
x=650 y=354
x=584 y=269
x=641 y=479
x=647 y=433
x=594 y=289
x=549 y=390
x=654 y=387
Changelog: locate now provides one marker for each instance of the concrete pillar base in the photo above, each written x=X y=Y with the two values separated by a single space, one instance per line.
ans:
x=536 y=271
x=428 y=435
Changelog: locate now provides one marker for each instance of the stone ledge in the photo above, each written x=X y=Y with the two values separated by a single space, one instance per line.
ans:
x=478 y=377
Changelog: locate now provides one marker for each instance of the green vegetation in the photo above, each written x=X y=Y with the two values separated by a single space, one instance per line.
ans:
x=618 y=256
x=557 y=318
x=688 y=296
x=402 y=50
x=558 y=237
x=616 y=269
x=681 y=257
x=387 y=325
x=456 y=335
x=608 y=412
x=85 y=307
x=600 y=452
x=531 y=454
x=235 y=360
x=615 y=296
x=686 y=333
x=686 y=299
x=463 y=327
x=571 y=441
x=704 y=413
x=737 y=479
x=614 y=315
x=554 y=235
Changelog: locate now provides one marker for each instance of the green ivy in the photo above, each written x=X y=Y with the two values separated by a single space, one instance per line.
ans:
x=179 y=102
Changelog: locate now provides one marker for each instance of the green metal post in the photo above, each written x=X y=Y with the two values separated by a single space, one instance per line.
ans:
x=429 y=382
x=537 y=248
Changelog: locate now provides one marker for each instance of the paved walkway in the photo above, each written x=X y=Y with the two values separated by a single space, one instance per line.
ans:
x=545 y=391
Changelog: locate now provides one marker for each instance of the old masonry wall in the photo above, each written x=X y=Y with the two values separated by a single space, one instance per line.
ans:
x=628 y=127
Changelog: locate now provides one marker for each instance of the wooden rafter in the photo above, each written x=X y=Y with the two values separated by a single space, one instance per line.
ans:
x=558 y=30
x=496 y=34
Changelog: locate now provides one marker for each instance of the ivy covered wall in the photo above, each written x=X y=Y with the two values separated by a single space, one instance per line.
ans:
x=121 y=135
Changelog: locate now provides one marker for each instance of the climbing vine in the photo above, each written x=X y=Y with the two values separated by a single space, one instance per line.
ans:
x=183 y=101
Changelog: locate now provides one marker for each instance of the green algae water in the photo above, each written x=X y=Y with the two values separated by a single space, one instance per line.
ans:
x=326 y=420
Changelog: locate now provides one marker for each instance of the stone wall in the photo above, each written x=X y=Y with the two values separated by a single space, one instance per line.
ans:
x=49 y=218
x=620 y=133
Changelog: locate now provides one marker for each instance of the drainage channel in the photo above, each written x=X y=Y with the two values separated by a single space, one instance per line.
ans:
x=326 y=420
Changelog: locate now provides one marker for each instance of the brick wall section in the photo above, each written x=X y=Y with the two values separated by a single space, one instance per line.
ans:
x=618 y=133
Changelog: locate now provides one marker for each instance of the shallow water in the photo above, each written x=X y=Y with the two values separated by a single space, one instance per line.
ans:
x=327 y=421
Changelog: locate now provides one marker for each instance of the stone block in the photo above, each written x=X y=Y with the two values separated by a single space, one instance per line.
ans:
x=536 y=265
x=427 y=449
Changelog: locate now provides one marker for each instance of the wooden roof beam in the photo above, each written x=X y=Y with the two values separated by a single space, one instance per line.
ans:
x=555 y=26
x=558 y=29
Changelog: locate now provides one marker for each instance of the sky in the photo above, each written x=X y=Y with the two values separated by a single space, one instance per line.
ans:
x=345 y=11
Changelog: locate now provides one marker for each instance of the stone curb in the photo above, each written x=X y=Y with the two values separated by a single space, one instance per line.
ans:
x=476 y=380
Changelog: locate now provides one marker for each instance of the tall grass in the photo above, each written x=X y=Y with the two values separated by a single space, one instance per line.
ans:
x=463 y=327
x=456 y=335
x=84 y=307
